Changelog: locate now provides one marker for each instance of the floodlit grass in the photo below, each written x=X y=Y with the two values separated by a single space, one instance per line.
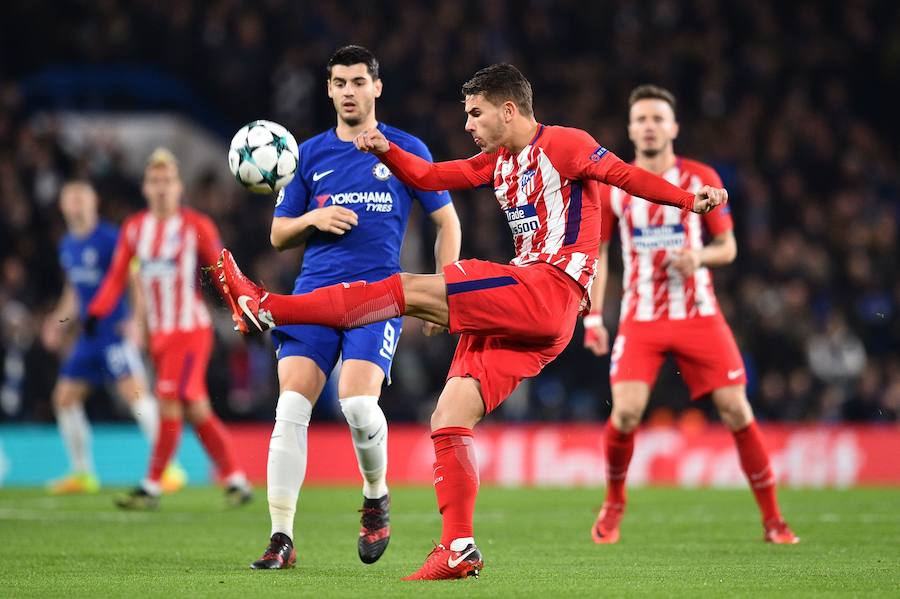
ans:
x=535 y=542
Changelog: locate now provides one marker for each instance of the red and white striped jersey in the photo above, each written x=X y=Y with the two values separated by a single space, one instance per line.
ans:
x=169 y=253
x=549 y=191
x=650 y=233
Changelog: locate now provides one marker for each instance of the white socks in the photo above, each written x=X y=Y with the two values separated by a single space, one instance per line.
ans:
x=287 y=459
x=368 y=428
x=146 y=414
x=76 y=433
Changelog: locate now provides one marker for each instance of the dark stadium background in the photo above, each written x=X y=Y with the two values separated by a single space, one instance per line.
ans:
x=794 y=103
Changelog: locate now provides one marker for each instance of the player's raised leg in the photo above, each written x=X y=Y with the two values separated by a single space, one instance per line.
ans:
x=68 y=401
x=629 y=402
x=358 y=390
x=736 y=413
x=342 y=306
x=459 y=408
x=301 y=382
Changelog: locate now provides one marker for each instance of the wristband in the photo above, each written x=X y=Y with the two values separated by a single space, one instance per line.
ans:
x=593 y=320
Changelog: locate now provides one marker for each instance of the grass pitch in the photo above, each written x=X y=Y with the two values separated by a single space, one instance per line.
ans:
x=536 y=543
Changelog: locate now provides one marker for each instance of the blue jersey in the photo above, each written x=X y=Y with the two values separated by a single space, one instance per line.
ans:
x=334 y=173
x=85 y=261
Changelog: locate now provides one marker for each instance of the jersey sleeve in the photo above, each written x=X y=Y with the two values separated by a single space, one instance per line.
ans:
x=717 y=221
x=430 y=200
x=116 y=279
x=583 y=158
x=293 y=199
x=209 y=242
x=608 y=217
x=434 y=176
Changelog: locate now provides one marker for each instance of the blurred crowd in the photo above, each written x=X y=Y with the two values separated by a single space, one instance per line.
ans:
x=794 y=103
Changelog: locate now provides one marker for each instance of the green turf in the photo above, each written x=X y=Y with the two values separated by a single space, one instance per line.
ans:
x=535 y=542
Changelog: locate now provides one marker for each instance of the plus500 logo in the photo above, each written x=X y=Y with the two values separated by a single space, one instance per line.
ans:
x=522 y=219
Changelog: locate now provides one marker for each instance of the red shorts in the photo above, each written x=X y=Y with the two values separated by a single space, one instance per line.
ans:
x=513 y=320
x=180 y=360
x=704 y=350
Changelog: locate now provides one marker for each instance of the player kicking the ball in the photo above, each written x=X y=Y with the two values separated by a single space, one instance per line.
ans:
x=349 y=213
x=170 y=243
x=669 y=307
x=513 y=318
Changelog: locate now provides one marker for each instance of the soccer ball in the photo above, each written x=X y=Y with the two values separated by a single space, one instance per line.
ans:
x=263 y=156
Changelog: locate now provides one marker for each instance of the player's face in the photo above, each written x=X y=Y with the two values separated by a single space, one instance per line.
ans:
x=78 y=204
x=652 y=126
x=353 y=92
x=485 y=123
x=162 y=188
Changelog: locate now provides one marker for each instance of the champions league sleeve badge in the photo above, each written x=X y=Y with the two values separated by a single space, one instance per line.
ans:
x=381 y=172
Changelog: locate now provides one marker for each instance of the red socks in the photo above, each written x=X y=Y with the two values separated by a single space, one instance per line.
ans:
x=164 y=448
x=342 y=306
x=619 y=447
x=455 y=481
x=755 y=463
x=217 y=442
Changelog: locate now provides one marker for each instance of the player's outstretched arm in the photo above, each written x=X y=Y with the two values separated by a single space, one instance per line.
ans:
x=638 y=182
x=114 y=282
x=422 y=174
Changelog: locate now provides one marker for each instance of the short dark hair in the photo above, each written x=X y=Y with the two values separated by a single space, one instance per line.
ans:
x=648 y=91
x=499 y=83
x=351 y=55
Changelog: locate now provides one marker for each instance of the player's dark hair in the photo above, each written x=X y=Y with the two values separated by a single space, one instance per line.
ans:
x=648 y=91
x=499 y=83
x=351 y=55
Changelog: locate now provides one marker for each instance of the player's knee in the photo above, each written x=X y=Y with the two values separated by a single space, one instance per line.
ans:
x=626 y=420
x=62 y=399
x=198 y=411
x=361 y=410
x=444 y=416
x=170 y=409
x=293 y=407
x=734 y=409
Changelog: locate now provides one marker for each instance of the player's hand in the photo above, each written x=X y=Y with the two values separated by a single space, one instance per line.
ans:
x=334 y=219
x=372 y=141
x=685 y=261
x=708 y=198
x=90 y=325
x=596 y=337
x=52 y=332
x=430 y=329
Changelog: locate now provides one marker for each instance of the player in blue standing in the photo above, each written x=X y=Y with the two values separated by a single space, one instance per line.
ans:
x=101 y=355
x=350 y=214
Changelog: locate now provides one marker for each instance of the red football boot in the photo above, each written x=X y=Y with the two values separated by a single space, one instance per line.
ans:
x=444 y=564
x=779 y=533
x=243 y=296
x=606 y=528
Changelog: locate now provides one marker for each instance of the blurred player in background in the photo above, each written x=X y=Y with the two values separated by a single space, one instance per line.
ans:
x=171 y=243
x=513 y=318
x=85 y=254
x=349 y=214
x=669 y=307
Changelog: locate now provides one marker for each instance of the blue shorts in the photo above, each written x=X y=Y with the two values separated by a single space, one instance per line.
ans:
x=374 y=343
x=96 y=360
